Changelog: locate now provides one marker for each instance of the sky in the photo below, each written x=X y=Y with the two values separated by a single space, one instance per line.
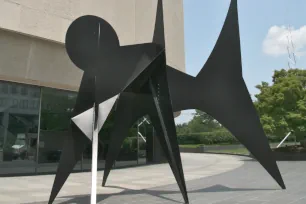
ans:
x=263 y=34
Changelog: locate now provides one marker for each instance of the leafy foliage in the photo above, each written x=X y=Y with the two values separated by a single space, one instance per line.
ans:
x=221 y=136
x=282 y=106
x=183 y=129
x=201 y=122
x=56 y=109
x=212 y=137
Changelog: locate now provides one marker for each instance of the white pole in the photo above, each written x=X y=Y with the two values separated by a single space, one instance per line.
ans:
x=283 y=140
x=144 y=139
x=94 y=161
x=144 y=120
x=138 y=143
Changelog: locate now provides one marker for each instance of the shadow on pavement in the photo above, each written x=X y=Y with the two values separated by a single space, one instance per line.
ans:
x=85 y=199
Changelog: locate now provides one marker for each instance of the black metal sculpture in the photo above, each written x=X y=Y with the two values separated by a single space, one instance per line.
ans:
x=147 y=86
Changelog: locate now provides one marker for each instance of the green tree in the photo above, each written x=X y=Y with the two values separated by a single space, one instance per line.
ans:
x=282 y=105
x=182 y=129
x=202 y=122
x=56 y=109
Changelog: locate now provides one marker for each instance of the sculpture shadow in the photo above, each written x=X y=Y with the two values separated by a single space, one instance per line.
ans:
x=84 y=199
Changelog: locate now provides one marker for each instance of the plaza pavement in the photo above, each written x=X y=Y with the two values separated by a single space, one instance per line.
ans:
x=211 y=179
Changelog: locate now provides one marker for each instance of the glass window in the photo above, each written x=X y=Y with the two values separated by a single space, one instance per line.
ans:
x=24 y=91
x=4 y=88
x=25 y=104
x=104 y=137
x=35 y=93
x=3 y=102
x=14 y=88
x=19 y=123
x=14 y=103
x=56 y=106
x=18 y=130
x=54 y=126
x=128 y=152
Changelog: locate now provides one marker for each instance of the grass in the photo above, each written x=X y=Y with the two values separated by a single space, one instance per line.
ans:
x=239 y=150
x=198 y=145
x=191 y=145
x=217 y=145
x=291 y=149
x=243 y=151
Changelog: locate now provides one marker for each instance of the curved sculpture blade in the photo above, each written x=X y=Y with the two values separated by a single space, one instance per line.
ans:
x=124 y=117
x=220 y=91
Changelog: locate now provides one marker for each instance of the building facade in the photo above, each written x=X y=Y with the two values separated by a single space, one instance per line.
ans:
x=39 y=83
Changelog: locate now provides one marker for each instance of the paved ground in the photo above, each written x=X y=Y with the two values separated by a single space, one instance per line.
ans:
x=37 y=188
x=28 y=167
x=211 y=179
x=237 y=146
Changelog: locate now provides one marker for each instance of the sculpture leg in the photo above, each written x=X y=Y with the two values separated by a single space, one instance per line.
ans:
x=73 y=147
x=175 y=166
x=232 y=106
x=133 y=103
x=163 y=121
x=123 y=121
x=220 y=91
x=76 y=141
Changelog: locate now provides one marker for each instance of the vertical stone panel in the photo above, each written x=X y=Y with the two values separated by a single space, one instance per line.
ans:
x=14 y=53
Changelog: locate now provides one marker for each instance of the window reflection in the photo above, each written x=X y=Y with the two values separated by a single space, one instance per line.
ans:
x=24 y=91
x=128 y=152
x=20 y=107
x=4 y=88
x=14 y=89
x=56 y=106
x=18 y=129
x=104 y=137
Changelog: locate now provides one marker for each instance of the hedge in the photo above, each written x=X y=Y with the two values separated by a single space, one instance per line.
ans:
x=206 y=138
x=218 y=137
x=130 y=144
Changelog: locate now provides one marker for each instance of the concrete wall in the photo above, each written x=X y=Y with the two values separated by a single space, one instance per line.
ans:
x=38 y=56
x=30 y=60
